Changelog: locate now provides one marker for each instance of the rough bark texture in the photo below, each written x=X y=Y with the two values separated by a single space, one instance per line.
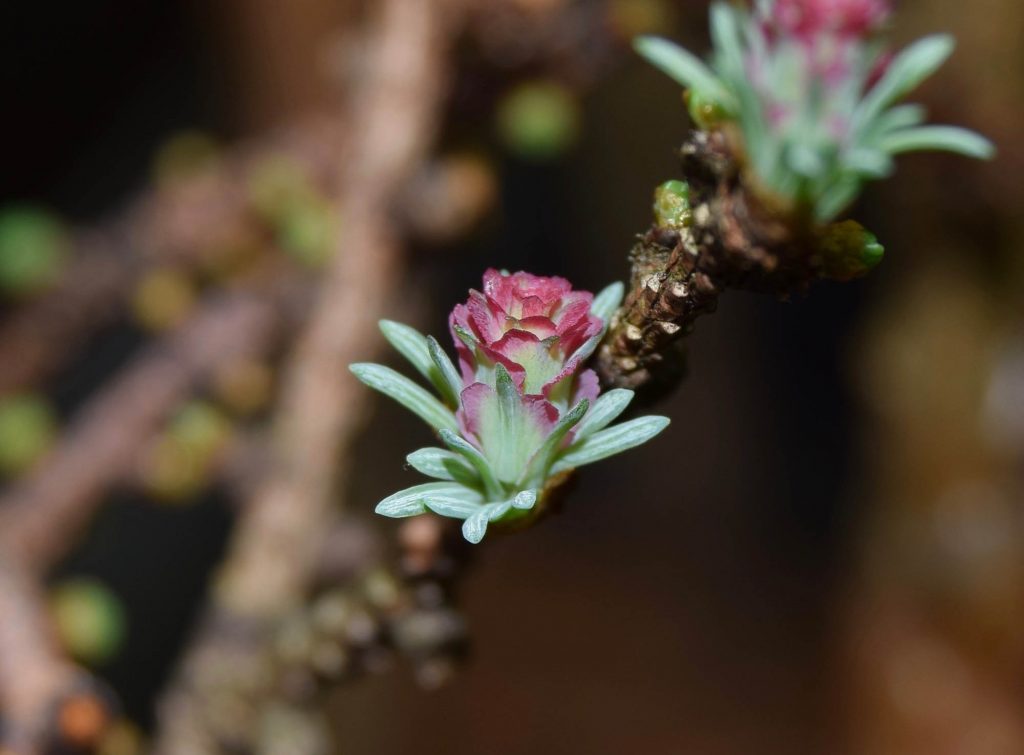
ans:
x=733 y=241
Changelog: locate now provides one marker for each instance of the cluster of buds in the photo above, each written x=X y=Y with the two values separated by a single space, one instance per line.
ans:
x=809 y=95
x=522 y=411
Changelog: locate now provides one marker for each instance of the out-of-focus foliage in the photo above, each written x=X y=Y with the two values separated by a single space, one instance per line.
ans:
x=305 y=222
x=307 y=230
x=89 y=619
x=27 y=429
x=244 y=386
x=163 y=299
x=538 y=120
x=33 y=246
x=180 y=462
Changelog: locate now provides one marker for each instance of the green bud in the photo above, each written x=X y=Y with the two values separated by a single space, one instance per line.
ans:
x=89 y=618
x=179 y=463
x=201 y=426
x=285 y=196
x=872 y=251
x=308 y=230
x=33 y=244
x=706 y=114
x=848 y=250
x=27 y=430
x=538 y=120
x=163 y=299
x=275 y=184
x=672 y=205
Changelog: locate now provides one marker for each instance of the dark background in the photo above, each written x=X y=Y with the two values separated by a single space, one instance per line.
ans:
x=686 y=601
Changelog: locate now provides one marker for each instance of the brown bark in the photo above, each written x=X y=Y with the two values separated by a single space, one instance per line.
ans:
x=735 y=240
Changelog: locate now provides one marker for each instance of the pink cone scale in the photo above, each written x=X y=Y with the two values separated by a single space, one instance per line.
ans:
x=813 y=20
x=536 y=329
x=521 y=407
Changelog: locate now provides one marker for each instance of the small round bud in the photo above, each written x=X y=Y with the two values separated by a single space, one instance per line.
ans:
x=163 y=299
x=180 y=462
x=27 y=429
x=275 y=183
x=244 y=385
x=89 y=618
x=308 y=230
x=848 y=250
x=538 y=120
x=83 y=720
x=429 y=633
x=672 y=205
x=707 y=115
x=332 y=613
x=33 y=246
x=382 y=590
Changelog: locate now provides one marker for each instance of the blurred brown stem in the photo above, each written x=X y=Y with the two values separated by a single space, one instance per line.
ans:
x=42 y=515
x=179 y=223
x=33 y=674
x=272 y=556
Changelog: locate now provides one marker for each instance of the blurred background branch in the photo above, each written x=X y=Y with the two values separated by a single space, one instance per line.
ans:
x=190 y=349
x=280 y=533
x=335 y=187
